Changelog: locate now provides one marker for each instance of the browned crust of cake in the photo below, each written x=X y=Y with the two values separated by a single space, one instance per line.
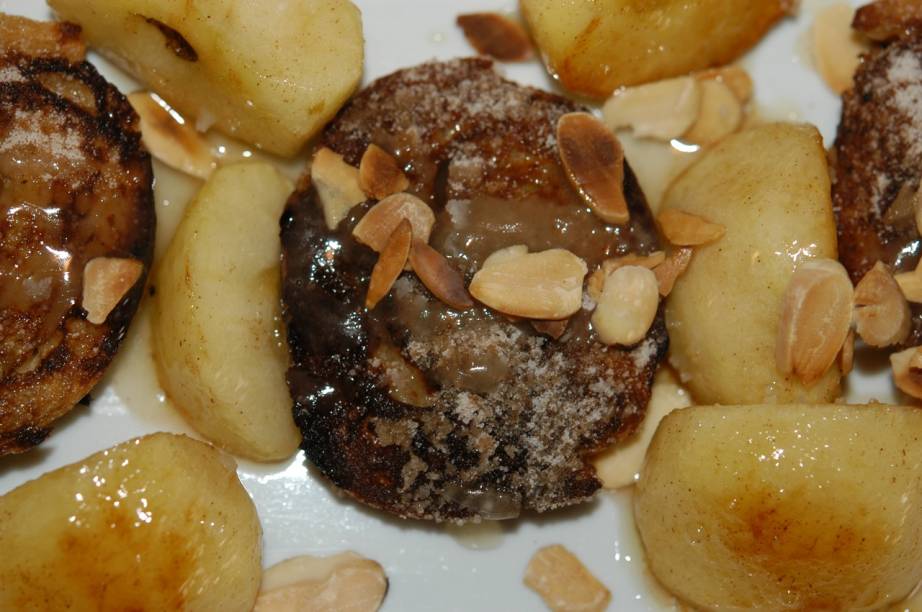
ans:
x=459 y=131
x=877 y=153
x=59 y=109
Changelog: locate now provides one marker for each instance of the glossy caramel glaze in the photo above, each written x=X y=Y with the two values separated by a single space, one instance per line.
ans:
x=75 y=184
x=877 y=162
x=509 y=415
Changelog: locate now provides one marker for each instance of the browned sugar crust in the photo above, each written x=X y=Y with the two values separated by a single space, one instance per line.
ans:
x=513 y=415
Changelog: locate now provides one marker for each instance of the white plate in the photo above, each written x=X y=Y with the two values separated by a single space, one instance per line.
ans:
x=429 y=567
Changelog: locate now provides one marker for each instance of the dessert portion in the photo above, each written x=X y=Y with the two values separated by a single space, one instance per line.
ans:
x=418 y=399
x=878 y=165
x=76 y=226
x=272 y=78
x=594 y=48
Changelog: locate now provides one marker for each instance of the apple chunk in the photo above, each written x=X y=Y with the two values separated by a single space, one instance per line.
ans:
x=796 y=507
x=271 y=74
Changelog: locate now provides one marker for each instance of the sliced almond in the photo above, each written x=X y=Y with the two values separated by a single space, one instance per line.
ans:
x=882 y=314
x=911 y=285
x=816 y=314
x=505 y=254
x=106 y=280
x=170 y=138
x=594 y=163
x=323 y=584
x=685 y=229
x=405 y=382
x=627 y=306
x=907 y=371
x=597 y=279
x=496 y=35
x=390 y=263
x=374 y=229
x=380 y=175
x=552 y=329
x=836 y=47
x=721 y=114
x=564 y=583
x=903 y=207
x=670 y=270
x=662 y=110
x=882 y=20
x=546 y=285
x=846 y=357
x=439 y=276
x=733 y=76
x=337 y=185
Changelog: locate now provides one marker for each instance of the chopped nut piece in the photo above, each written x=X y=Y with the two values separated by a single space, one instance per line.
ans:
x=337 y=185
x=846 y=357
x=505 y=254
x=816 y=314
x=733 y=76
x=170 y=138
x=546 y=285
x=552 y=329
x=439 y=276
x=882 y=20
x=670 y=270
x=405 y=382
x=496 y=35
x=907 y=371
x=721 y=114
x=323 y=584
x=380 y=174
x=564 y=583
x=106 y=280
x=376 y=226
x=662 y=110
x=390 y=263
x=911 y=285
x=836 y=47
x=597 y=279
x=627 y=306
x=685 y=229
x=594 y=162
x=882 y=314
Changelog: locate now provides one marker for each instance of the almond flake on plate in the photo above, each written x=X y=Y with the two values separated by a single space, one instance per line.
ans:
x=594 y=162
x=170 y=138
x=337 y=185
x=597 y=279
x=721 y=114
x=390 y=263
x=685 y=229
x=668 y=272
x=663 y=110
x=375 y=228
x=882 y=314
x=496 y=35
x=627 y=306
x=439 y=276
x=564 y=583
x=911 y=285
x=907 y=371
x=836 y=47
x=379 y=174
x=106 y=280
x=733 y=76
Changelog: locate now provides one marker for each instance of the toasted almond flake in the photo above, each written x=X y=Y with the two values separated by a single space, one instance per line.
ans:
x=337 y=185
x=379 y=174
x=882 y=314
x=836 y=47
x=663 y=110
x=594 y=163
x=546 y=285
x=323 y=584
x=911 y=285
x=885 y=19
x=627 y=306
x=504 y=254
x=816 y=314
x=405 y=382
x=376 y=226
x=721 y=114
x=170 y=138
x=552 y=329
x=904 y=205
x=685 y=229
x=733 y=76
x=439 y=276
x=390 y=263
x=564 y=583
x=846 y=357
x=496 y=35
x=597 y=278
x=907 y=371
x=670 y=270
x=106 y=280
